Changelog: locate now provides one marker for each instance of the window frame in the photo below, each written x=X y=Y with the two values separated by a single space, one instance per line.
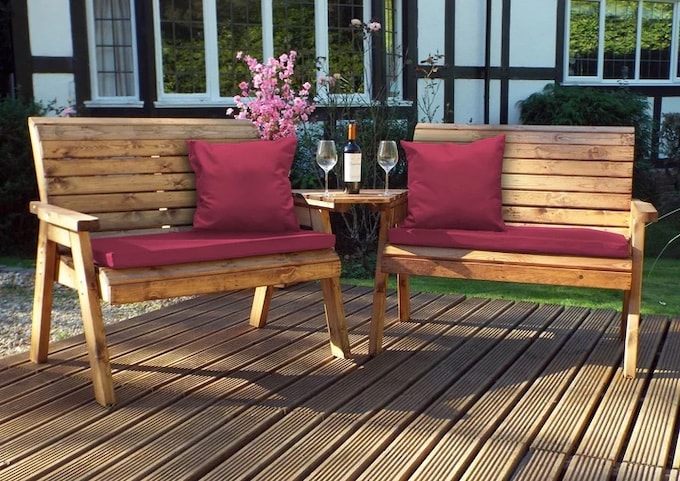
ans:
x=97 y=100
x=674 y=74
x=212 y=97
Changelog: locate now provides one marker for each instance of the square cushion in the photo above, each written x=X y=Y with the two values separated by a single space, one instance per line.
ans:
x=574 y=241
x=244 y=186
x=455 y=186
x=199 y=245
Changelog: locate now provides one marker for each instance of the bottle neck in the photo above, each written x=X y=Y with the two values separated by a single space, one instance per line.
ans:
x=351 y=132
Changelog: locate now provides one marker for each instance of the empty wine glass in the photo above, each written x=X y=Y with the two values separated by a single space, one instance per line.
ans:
x=387 y=158
x=326 y=157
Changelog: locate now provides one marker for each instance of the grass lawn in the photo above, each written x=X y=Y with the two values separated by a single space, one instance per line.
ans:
x=660 y=293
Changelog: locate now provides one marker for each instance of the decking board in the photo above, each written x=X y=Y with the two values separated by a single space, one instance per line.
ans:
x=468 y=389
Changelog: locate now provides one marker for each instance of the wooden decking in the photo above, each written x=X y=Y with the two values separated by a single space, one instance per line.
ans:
x=484 y=390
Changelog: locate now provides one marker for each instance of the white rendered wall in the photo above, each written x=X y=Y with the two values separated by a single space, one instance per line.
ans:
x=50 y=28
x=532 y=33
x=519 y=90
x=57 y=87
x=50 y=36
x=431 y=25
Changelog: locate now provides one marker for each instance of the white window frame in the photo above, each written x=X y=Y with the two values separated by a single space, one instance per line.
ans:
x=674 y=75
x=97 y=100
x=212 y=94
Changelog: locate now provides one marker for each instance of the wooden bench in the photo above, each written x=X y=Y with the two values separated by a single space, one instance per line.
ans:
x=552 y=176
x=103 y=177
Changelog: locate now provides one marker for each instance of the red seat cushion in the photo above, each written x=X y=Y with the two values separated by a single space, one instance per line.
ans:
x=527 y=240
x=198 y=245
x=455 y=186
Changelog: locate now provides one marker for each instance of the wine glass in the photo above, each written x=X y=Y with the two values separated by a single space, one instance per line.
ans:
x=326 y=157
x=387 y=158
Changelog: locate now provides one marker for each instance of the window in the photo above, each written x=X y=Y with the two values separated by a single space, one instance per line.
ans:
x=197 y=42
x=113 y=48
x=629 y=41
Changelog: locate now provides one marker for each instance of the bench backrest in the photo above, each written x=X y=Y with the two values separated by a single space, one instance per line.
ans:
x=132 y=173
x=557 y=175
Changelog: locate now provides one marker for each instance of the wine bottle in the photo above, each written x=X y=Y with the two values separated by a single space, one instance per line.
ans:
x=352 y=161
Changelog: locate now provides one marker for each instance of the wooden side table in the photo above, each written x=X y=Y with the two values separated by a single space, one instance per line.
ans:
x=391 y=208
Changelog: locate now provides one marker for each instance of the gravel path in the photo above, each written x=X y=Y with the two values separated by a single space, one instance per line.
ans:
x=16 y=304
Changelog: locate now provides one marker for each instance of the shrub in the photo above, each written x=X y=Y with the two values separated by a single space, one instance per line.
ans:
x=18 y=228
x=558 y=105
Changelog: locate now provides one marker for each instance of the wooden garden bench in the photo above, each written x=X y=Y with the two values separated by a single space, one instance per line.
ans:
x=570 y=180
x=119 y=180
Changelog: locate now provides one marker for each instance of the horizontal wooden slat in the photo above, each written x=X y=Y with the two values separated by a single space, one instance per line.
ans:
x=120 y=183
x=589 y=168
x=588 y=200
x=121 y=202
x=521 y=273
x=584 y=135
x=79 y=128
x=133 y=285
x=593 y=151
x=563 y=183
x=564 y=216
x=509 y=258
x=113 y=221
x=138 y=165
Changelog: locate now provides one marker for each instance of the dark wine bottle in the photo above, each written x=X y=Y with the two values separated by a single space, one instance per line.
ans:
x=352 y=161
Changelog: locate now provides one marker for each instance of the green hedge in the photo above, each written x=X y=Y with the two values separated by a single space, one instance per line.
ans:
x=18 y=228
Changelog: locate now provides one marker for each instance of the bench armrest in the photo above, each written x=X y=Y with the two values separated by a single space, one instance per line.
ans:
x=64 y=218
x=643 y=211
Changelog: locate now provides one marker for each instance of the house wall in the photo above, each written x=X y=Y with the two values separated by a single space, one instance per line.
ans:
x=50 y=39
x=480 y=80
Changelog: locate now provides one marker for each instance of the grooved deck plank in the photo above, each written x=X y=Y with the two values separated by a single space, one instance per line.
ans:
x=652 y=436
x=609 y=427
x=467 y=389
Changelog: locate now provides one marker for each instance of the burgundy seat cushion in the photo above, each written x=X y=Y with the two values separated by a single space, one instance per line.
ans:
x=527 y=240
x=199 y=245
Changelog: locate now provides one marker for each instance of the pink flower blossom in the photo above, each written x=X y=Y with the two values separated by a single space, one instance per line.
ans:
x=269 y=99
x=374 y=26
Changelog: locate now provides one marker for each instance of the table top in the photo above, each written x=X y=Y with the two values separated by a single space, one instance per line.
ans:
x=339 y=199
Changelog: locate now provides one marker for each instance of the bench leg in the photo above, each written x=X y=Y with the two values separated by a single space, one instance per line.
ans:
x=633 y=302
x=375 y=336
x=335 y=317
x=45 y=269
x=93 y=322
x=261 y=303
x=404 y=295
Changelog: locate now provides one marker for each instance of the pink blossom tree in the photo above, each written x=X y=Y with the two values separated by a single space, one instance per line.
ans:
x=269 y=99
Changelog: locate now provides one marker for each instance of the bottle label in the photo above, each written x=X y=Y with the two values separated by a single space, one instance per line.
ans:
x=352 y=167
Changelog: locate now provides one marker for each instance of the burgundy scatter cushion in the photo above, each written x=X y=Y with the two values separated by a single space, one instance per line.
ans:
x=197 y=245
x=244 y=186
x=520 y=239
x=455 y=186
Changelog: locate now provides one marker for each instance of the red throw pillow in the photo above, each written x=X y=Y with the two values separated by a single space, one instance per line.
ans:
x=455 y=186
x=244 y=186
